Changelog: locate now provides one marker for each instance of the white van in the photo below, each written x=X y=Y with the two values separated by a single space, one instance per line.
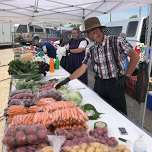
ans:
x=135 y=30
x=6 y=34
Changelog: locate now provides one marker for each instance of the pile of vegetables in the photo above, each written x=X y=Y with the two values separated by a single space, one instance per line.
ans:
x=78 y=140
x=22 y=97
x=63 y=118
x=27 y=70
x=43 y=67
x=35 y=85
x=22 y=84
x=95 y=147
x=24 y=70
x=77 y=137
x=101 y=134
x=49 y=93
x=71 y=95
x=22 y=137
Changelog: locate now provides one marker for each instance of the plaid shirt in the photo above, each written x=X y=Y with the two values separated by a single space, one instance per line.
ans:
x=106 y=57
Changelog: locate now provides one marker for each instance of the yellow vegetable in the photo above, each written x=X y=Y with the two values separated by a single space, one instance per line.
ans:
x=95 y=144
x=83 y=146
x=67 y=149
x=90 y=149
x=98 y=150
x=81 y=150
x=47 y=149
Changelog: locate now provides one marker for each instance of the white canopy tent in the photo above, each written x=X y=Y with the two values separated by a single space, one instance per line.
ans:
x=59 y=11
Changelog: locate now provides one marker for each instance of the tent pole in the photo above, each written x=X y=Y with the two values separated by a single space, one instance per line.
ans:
x=110 y=17
x=140 y=9
x=83 y=17
x=150 y=62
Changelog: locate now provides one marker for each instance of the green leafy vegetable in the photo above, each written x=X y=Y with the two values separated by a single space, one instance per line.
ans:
x=93 y=114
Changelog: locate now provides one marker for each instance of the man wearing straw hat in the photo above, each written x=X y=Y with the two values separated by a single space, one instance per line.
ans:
x=107 y=56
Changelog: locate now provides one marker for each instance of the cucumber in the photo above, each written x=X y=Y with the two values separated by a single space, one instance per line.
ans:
x=100 y=124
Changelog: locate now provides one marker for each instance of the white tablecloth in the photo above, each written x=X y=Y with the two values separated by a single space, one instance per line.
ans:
x=113 y=118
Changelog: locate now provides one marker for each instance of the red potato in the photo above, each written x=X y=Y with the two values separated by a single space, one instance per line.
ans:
x=32 y=139
x=20 y=138
x=9 y=141
x=30 y=130
x=22 y=149
x=42 y=135
x=112 y=142
x=10 y=132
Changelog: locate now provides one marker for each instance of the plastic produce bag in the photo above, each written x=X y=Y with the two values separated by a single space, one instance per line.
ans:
x=61 y=51
x=56 y=142
x=25 y=135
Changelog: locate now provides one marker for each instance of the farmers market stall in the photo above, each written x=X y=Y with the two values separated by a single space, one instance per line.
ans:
x=72 y=119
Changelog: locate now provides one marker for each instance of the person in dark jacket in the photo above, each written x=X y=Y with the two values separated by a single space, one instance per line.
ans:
x=75 y=54
x=49 y=49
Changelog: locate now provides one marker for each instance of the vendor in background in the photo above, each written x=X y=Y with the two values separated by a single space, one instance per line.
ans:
x=107 y=55
x=48 y=49
x=75 y=54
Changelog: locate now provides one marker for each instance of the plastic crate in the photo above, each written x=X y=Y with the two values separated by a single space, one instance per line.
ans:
x=149 y=101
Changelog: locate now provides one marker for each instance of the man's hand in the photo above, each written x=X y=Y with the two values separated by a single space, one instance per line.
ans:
x=134 y=58
x=76 y=74
x=65 y=81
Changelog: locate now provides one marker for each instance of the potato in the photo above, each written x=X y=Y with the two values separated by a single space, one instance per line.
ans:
x=120 y=147
x=47 y=149
x=75 y=148
x=95 y=144
x=105 y=148
x=90 y=149
x=127 y=150
x=32 y=139
x=67 y=149
x=81 y=150
x=42 y=134
x=98 y=150
x=20 y=138
x=83 y=146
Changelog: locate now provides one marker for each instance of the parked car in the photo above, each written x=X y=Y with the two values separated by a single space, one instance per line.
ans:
x=30 y=33
x=134 y=29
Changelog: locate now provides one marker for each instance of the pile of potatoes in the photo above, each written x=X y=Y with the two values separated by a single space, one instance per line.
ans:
x=95 y=147
x=25 y=136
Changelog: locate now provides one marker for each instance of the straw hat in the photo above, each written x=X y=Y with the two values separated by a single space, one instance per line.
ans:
x=92 y=23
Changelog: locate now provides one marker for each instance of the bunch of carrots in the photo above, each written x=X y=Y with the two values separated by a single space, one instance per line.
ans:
x=48 y=112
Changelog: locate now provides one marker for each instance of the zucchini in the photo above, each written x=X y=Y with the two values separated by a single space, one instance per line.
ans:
x=100 y=124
